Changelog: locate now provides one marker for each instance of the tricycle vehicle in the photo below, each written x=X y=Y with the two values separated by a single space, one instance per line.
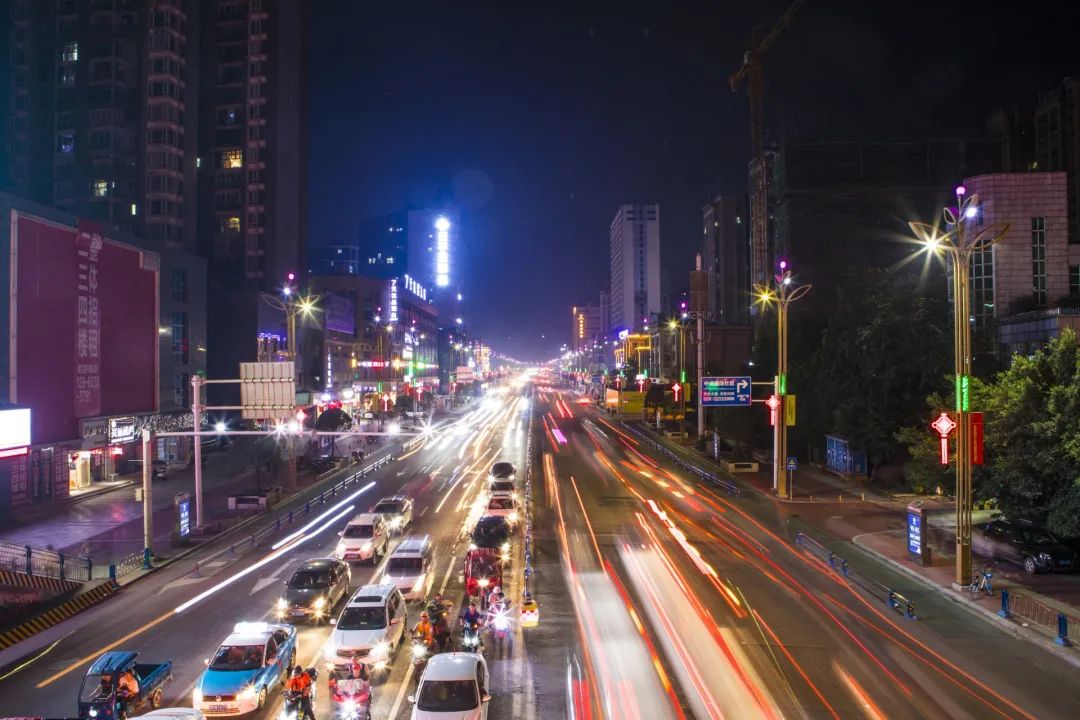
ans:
x=98 y=698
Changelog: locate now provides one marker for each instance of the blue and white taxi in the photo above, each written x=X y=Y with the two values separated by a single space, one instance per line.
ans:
x=245 y=669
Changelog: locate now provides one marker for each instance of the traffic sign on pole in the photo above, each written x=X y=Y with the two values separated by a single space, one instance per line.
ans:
x=725 y=391
x=792 y=464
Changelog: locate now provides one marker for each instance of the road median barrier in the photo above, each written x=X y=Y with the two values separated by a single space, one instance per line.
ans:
x=89 y=595
x=891 y=597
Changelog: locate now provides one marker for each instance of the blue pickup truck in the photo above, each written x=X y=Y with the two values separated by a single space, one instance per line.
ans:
x=97 y=695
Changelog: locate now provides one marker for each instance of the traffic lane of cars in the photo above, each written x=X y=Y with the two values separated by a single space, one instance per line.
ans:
x=141 y=617
x=904 y=667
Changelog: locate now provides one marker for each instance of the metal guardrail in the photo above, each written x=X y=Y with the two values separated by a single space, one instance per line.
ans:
x=44 y=563
x=1065 y=627
x=884 y=593
x=141 y=560
x=726 y=485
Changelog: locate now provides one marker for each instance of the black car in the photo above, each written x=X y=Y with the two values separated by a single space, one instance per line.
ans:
x=491 y=531
x=502 y=469
x=314 y=590
x=1028 y=545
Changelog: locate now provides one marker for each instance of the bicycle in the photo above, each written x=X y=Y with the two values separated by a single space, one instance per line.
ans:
x=981 y=582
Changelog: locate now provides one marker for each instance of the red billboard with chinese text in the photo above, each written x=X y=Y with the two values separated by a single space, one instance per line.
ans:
x=84 y=340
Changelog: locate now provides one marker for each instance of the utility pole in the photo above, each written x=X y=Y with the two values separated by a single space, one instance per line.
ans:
x=196 y=415
x=148 y=493
x=696 y=290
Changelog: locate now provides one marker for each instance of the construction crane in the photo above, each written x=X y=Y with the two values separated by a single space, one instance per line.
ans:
x=751 y=68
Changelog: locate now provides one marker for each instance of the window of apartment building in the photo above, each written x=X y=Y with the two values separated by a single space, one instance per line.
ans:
x=100 y=188
x=180 y=333
x=69 y=53
x=179 y=284
x=225 y=198
x=230 y=11
x=230 y=74
x=65 y=142
x=164 y=66
x=229 y=223
x=1074 y=280
x=231 y=159
x=1038 y=259
x=66 y=76
x=227 y=116
x=181 y=383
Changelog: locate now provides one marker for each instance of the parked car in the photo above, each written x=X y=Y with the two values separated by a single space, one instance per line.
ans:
x=314 y=590
x=373 y=625
x=1028 y=545
x=97 y=695
x=252 y=661
x=453 y=687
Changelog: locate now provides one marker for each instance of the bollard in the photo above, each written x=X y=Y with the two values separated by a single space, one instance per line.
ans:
x=1063 y=630
x=798 y=538
x=307 y=507
x=1004 y=611
x=890 y=600
x=843 y=567
x=832 y=558
x=232 y=551
x=290 y=517
x=195 y=570
x=253 y=543
x=146 y=558
x=909 y=611
x=277 y=524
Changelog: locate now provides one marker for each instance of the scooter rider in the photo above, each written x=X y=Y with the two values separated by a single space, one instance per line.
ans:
x=472 y=617
x=300 y=684
x=497 y=598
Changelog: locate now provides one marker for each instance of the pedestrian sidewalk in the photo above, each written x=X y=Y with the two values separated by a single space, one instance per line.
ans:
x=107 y=526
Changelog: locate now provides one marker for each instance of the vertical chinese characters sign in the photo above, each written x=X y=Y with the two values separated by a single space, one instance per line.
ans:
x=87 y=326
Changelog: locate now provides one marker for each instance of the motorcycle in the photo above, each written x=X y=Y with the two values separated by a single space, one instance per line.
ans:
x=420 y=654
x=351 y=705
x=438 y=614
x=292 y=708
x=499 y=620
x=470 y=637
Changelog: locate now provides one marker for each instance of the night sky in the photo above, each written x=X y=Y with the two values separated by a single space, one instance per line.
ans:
x=540 y=122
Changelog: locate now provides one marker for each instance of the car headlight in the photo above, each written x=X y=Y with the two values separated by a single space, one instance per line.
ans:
x=381 y=650
x=330 y=651
x=282 y=604
x=472 y=546
x=367 y=546
x=505 y=547
x=483 y=582
x=418 y=650
x=92 y=713
x=320 y=603
x=340 y=550
x=419 y=584
x=248 y=693
x=395 y=522
x=513 y=516
x=1045 y=557
x=196 y=697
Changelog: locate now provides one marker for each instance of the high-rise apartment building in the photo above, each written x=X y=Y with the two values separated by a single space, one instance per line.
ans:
x=726 y=256
x=1045 y=137
x=635 y=266
x=178 y=120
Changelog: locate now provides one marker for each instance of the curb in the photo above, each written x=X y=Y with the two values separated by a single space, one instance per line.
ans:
x=1012 y=628
x=69 y=608
x=19 y=579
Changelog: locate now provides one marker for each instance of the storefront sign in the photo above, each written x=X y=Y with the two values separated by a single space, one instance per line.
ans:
x=14 y=428
x=121 y=430
x=182 y=501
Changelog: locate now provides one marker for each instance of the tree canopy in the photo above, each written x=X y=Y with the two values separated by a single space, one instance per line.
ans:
x=1032 y=438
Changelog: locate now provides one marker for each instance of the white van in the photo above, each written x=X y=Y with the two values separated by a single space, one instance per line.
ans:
x=410 y=567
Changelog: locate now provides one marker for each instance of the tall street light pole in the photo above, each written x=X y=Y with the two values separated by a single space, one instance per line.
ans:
x=960 y=242
x=783 y=294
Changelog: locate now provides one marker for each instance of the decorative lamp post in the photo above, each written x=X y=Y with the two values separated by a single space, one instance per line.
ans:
x=782 y=295
x=960 y=242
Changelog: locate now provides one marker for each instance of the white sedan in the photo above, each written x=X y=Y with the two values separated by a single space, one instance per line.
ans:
x=453 y=687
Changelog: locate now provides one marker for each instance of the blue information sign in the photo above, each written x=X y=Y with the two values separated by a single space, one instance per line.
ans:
x=725 y=391
x=792 y=464
x=914 y=533
x=183 y=514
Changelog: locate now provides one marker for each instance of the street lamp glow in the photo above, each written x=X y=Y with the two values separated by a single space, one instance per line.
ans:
x=971 y=212
x=220 y=427
x=286 y=291
x=459 y=321
x=442 y=224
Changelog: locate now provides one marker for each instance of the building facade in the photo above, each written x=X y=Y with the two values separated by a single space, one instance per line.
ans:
x=726 y=257
x=1029 y=280
x=100 y=330
x=635 y=266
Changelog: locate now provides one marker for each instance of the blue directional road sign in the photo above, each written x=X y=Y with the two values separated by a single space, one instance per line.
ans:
x=792 y=464
x=725 y=391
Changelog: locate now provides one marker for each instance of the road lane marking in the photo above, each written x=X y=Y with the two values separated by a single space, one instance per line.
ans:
x=446 y=578
x=263 y=583
x=424 y=511
x=402 y=690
